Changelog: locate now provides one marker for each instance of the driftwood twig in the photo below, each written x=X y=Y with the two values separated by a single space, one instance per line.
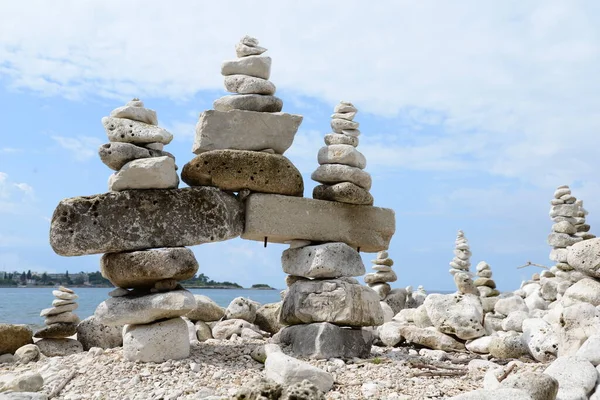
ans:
x=530 y=264
x=441 y=373
x=507 y=372
x=62 y=385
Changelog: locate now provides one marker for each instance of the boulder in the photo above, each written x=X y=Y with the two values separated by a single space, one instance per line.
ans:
x=330 y=174
x=145 y=173
x=241 y=308
x=267 y=318
x=157 y=342
x=586 y=291
x=144 y=219
x=539 y=386
x=235 y=170
x=287 y=370
x=585 y=257
x=205 y=310
x=329 y=260
x=245 y=130
x=456 y=314
x=129 y=131
x=14 y=336
x=431 y=338
x=92 y=333
x=540 y=338
x=59 y=347
x=249 y=102
x=421 y=318
x=576 y=377
x=138 y=269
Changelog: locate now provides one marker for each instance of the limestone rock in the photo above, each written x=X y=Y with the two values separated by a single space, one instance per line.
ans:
x=243 y=50
x=241 y=308
x=145 y=173
x=67 y=317
x=157 y=342
x=287 y=370
x=344 y=192
x=585 y=257
x=135 y=269
x=590 y=350
x=59 y=347
x=331 y=174
x=577 y=323
x=28 y=353
x=480 y=345
x=574 y=375
x=539 y=386
x=496 y=394
x=205 y=310
x=380 y=277
x=116 y=155
x=135 y=110
x=329 y=260
x=562 y=240
x=460 y=315
x=540 y=338
x=342 y=154
x=128 y=131
x=514 y=321
x=56 y=331
x=244 y=84
x=339 y=125
x=249 y=102
x=509 y=304
x=430 y=337
x=30 y=382
x=58 y=310
x=12 y=337
x=508 y=347
x=383 y=289
x=389 y=333
x=226 y=329
x=144 y=219
x=267 y=318
x=586 y=290
x=235 y=170
x=337 y=138
x=92 y=333
x=256 y=66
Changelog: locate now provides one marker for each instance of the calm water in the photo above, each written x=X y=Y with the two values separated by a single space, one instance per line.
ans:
x=23 y=305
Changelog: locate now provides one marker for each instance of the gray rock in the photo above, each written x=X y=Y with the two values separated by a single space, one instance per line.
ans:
x=383 y=289
x=341 y=154
x=241 y=308
x=335 y=173
x=284 y=218
x=226 y=329
x=56 y=331
x=586 y=290
x=205 y=310
x=344 y=192
x=576 y=377
x=325 y=340
x=585 y=257
x=138 y=269
x=157 y=342
x=346 y=304
x=496 y=394
x=244 y=84
x=59 y=302
x=12 y=337
x=504 y=347
x=249 y=102
x=287 y=370
x=267 y=318
x=256 y=66
x=480 y=345
x=488 y=303
x=61 y=294
x=59 y=347
x=68 y=318
x=145 y=219
x=337 y=138
x=562 y=240
x=116 y=155
x=396 y=299
x=92 y=333
x=30 y=382
x=128 y=131
x=203 y=331
x=339 y=125
x=456 y=314
x=145 y=173
x=465 y=284
x=144 y=308
x=564 y=227
x=345 y=107
x=380 y=277
x=135 y=112
x=564 y=210
x=430 y=337
x=245 y=130
x=243 y=50
x=329 y=260
x=509 y=304
x=27 y=353
x=261 y=388
x=58 y=310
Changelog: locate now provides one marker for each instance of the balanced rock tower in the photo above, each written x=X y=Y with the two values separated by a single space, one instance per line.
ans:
x=484 y=282
x=341 y=165
x=460 y=265
x=240 y=143
x=60 y=323
x=379 y=280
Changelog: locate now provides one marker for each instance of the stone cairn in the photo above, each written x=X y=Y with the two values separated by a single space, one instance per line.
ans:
x=378 y=280
x=60 y=323
x=240 y=143
x=484 y=282
x=460 y=265
x=341 y=166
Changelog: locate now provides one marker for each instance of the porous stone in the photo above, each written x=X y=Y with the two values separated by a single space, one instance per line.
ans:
x=380 y=277
x=205 y=310
x=249 y=102
x=145 y=219
x=92 y=333
x=267 y=318
x=241 y=308
x=59 y=347
x=431 y=338
x=346 y=304
x=235 y=170
x=157 y=342
x=287 y=370
x=14 y=336
x=245 y=130
x=128 y=131
x=228 y=328
x=284 y=218
x=576 y=377
x=342 y=154
x=135 y=112
x=508 y=347
x=338 y=138
x=138 y=269
x=586 y=290
x=335 y=173
x=456 y=314
x=144 y=308
x=256 y=66
x=145 y=173
x=116 y=155
x=562 y=240
x=344 y=192
x=56 y=331
x=325 y=340
x=329 y=260
x=244 y=84
x=585 y=257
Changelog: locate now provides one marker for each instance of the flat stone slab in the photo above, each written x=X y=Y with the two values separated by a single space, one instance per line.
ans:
x=283 y=218
x=344 y=192
x=129 y=131
x=249 y=102
x=143 y=219
x=329 y=260
x=56 y=331
x=145 y=173
x=245 y=130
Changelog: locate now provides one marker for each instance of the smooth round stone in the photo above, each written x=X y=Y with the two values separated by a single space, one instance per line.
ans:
x=482 y=265
x=157 y=342
x=485 y=282
x=349 y=116
x=135 y=113
x=138 y=269
x=345 y=107
x=382 y=255
x=344 y=192
x=126 y=130
x=382 y=289
x=556 y=202
x=67 y=318
x=249 y=102
x=59 y=347
x=59 y=294
x=330 y=174
x=338 y=125
x=380 y=277
x=339 y=138
x=58 y=310
x=485 y=273
x=66 y=290
x=118 y=292
x=383 y=261
x=341 y=154
x=59 y=302
x=244 y=84
x=56 y=331
x=382 y=268
x=562 y=192
x=256 y=66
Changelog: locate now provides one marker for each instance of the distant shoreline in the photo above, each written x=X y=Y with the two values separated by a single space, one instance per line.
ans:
x=112 y=287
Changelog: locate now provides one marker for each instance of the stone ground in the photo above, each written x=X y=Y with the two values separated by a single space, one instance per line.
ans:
x=216 y=369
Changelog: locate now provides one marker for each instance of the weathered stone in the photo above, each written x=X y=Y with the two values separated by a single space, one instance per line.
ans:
x=136 y=113
x=226 y=329
x=245 y=50
x=538 y=385
x=56 y=331
x=456 y=314
x=396 y=299
x=261 y=388
x=504 y=347
x=67 y=317
x=116 y=155
x=28 y=353
x=344 y=107
x=245 y=130
x=342 y=154
x=283 y=218
x=335 y=301
x=59 y=347
x=564 y=227
x=509 y=304
x=145 y=173
x=338 y=138
x=576 y=324
x=562 y=240
x=287 y=370
x=14 y=336
x=59 y=302
x=257 y=66
x=244 y=84
x=157 y=342
x=144 y=268
x=485 y=282
x=573 y=374
x=430 y=337
x=480 y=345
x=249 y=102
x=267 y=318
x=586 y=290
x=205 y=310
x=235 y=170
x=339 y=125
x=329 y=260
x=144 y=308
x=144 y=219
x=380 y=277
x=60 y=294
x=514 y=321
x=344 y=192
x=325 y=340
x=495 y=394
x=336 y=173
x=58 y=310
x=241 y=308
x=128 y=131
x=203 y=331
x=92 y=333
x=564 y=210
x=382 y=289
x=585 y=257
x=25 y=383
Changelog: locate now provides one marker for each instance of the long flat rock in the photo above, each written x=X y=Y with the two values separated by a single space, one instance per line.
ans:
x=144 y=219
x=283 y=218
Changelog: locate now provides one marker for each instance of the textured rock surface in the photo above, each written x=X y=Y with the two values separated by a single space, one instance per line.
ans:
x=14 y=336
x=287 y=370
x=145 y=173
x=267 y=318
x=342 y=154
x=497 y=394
x=116 y=155
x=157 y=342
x=234 y=170
x=430 y=337
x=329 y=260
x=128 y=131
x=145 y=268
x=334 y=173
x=56 y=331
x=257 y=66
x=248 y=85
x=586 y=291
x=460 y=315
x=336 y=138
x=283 y=218
x=226 y=329
x=205 y=310
x=574 y=375
x=585 y=257
x=59 y=347
x=92 y=333
x=344 y=192
x=249 y=102
x=144 y=219
x=241 y=308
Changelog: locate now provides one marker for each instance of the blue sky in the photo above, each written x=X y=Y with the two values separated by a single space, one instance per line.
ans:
x=471 y=114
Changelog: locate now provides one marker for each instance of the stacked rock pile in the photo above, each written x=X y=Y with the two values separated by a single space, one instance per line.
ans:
x=378 y=280
x=135 y=150
x=582 y=228
x=324 y=306
x=240 y=143
x=341 y=166
x=460 y=265
x=60 y=323
x=484 y=282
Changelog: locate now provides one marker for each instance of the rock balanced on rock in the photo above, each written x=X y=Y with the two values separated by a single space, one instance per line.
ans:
x=460 y=265
x=341 y=166
x=135 y=150
x=484 y=282
x=378 y=280
x=60 y=323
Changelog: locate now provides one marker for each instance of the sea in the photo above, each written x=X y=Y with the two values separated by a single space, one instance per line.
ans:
x=23 y=305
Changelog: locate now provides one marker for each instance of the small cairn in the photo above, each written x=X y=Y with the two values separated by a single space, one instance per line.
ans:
x=484 y=282
x=60 y=323
x=460 y=265
x=135 y=150
x=582 y=228
x=378 y=280
x=565 y=213
x=341 y=166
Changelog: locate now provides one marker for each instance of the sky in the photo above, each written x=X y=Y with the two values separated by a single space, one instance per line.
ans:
x=472 y=112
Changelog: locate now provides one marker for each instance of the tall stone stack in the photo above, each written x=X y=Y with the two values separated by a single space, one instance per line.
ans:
x=379 y=280
x=240 y=144
x=582 y=228
x=484 y=282
x=460 y=265
x=565 y=213
x=341 y=165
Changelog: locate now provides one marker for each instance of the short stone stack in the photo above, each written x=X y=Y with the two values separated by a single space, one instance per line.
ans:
x=324 y=306
x=460 y=265
x=341 y=165
x=379 y=280
x=582 y=228
x=240 y=144
x=60 y=323
x=135 y=150
x=484 y=282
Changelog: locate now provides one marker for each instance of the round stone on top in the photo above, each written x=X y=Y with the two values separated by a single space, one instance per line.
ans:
x=345 y=107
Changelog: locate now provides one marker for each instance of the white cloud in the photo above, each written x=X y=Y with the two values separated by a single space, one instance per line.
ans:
x=82 y=148
x=15 y=197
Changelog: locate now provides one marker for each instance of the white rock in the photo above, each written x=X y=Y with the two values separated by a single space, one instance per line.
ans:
x=539 y=386
x=58 y=310
x=541 y=339
x=241 y=308
x=535 y=301
x=27 y=353
x=577 y=323
x=507 y=305
x=139 y=114
x=590 y=350
x=59 y=294
x=389 y=333
x=460 y=315
x=226 y=329
x=339 y=125
x=575 y=377
x=586 y=290
x=128 y=131
x=480 y=345
x=157 y=342
x=329 y=260
x=30 y=382
x=256 y=66
x=564 y=210
x=243 y=84
x=145 y=173
x=243 y=50
x=342 y=154
x=562 y=240
x=497 y=394
x=335 y=173
x=388 y=313
x=345 y=107
x=286 y=371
